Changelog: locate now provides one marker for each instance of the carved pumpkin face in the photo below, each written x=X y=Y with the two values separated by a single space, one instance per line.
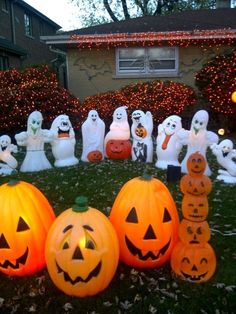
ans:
x=25 y=217
x=195 y=208
x=140 y=131
x=82 y=251
x=146 y=221
x=196 y=164
x=195 y=185
x=94 y=156
x=118 y=149
x=194 y=232
x=193 y=262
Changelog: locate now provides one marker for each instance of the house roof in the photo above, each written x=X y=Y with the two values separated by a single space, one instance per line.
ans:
x=6 y=45
x=182 y=28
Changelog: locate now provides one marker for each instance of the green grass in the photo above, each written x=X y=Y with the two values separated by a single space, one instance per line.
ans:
x=131 y=290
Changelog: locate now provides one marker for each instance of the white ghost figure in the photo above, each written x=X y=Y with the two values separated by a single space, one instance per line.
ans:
x=168 y=145
x=225 y=154
x=63 y=144
x=34 y=139
x=119 y=128
x=198 y=138
x=6 y=149
x=141 y=131
x=93 y=132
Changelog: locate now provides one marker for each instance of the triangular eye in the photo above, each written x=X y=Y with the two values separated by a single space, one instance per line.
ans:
x=22 y=225
x=166 y=216
x=132 y=216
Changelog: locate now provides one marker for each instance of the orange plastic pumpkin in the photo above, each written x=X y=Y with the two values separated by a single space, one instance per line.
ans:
x=195 y=208
x=118 y=149
x=195 y=185
x=95 y=156
x=140 y=131
x=82 y=250
x=193 y=263
x=25 y=218
x=146 y=221
x=196 y=164
x=191 y=232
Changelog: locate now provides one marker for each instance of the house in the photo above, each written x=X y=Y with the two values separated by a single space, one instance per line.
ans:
x=174 y=47
x=20 y=29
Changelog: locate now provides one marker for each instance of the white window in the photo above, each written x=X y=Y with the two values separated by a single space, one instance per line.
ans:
x=28 y=25
x=155 y=61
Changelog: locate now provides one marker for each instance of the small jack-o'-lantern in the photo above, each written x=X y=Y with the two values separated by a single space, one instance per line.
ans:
x=118 y=149
x=25 y=218
x=82 y=250
x=191 y=232
x=193 y=263
x=95 y=156
x=146 y=221
x=195 y=208
x=140 y=131
x=196 y=164
x=195 y=185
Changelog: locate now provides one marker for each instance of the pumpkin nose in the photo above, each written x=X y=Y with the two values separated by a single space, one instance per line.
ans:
x=195 y=210
x=150 y=234
x=194 y=268
x=77 y=254
x=3 y=242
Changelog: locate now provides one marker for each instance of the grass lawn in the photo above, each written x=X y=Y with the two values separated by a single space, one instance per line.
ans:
x=131 y=290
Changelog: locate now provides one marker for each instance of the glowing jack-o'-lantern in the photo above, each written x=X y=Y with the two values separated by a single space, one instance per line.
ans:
x=140 y=131
x=94 y=156
x=82 y=250
x=195 y=185
x=25 y=218
x=195 y=208
x=193 y=263
x=191 y=232
x=196 y=164
x=118 y=149
x=146 y=221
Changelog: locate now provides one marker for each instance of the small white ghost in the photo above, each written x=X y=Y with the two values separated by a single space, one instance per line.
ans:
x=141 y=131
x=198 y=138
x=93 y=132
x=34 y=139
x=63 y=144
x=225 y=155
x=9 y=164
x=168 y=145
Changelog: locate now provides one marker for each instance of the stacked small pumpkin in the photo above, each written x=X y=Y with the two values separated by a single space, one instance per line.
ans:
x=193 y=258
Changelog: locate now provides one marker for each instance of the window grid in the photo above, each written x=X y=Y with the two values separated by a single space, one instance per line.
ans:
x=28 y=25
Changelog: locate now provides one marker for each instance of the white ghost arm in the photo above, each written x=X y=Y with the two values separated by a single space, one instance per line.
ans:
x=212 y=138
x=21 y=138
x=233 y=153
x=182 y=136
x=149 y=121
x=48 y=136
x=13 y=148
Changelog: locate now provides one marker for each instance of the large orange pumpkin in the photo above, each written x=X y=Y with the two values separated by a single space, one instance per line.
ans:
x=25 y=218
x=195 y=208
x=146 y=221
x=191 y=232
x=82 y=250
x=194 y=263
x=118 y=149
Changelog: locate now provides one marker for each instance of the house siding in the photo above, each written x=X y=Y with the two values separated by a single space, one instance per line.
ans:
x=92 y=72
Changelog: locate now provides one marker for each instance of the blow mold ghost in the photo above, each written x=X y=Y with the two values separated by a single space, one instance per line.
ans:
x=63 y=144
x=9 y=163
x=93 y=132
x=34 y=139
x=226 y=157
x=168 y=145
x=141 y=131
x=198 y=138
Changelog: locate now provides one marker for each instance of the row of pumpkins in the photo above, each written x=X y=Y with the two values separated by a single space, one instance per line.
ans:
x=82 y=247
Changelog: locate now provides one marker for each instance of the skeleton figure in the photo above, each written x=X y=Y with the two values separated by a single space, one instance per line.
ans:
x=9 y=163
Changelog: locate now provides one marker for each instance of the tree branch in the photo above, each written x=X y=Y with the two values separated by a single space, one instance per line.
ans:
x=109 y=10
x=125 y=9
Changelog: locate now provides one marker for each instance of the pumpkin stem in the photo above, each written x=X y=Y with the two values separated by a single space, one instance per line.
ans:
x=81 y=204
x=146 y=176
x=13 y=182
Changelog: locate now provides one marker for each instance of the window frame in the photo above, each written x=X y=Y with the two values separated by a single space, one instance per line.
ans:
x=147 y=69
x=28 y=24
x=5 y=6
x=4 y=62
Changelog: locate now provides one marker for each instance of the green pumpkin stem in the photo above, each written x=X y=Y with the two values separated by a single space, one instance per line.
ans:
x=146 y=176
x=13 y=182
x=81 y=204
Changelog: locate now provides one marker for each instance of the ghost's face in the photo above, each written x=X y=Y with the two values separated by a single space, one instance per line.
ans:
x=226 y=146
x=62 y=126
x=93 y=115
x=5 y=141
x=120 y=115
x=35 y=122
x=199 y=121
x=172 y=124
x=136 y=116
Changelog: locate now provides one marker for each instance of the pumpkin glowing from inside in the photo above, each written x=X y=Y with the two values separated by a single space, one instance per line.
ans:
x=196 y=164
x=118 y=149
x=193 y=263
x=82 y=250
x=146 y=221
x=95 y=156
x=195 y=208
x=195 y=185
x=140 y=131
x=191 y=232
x=25 y=218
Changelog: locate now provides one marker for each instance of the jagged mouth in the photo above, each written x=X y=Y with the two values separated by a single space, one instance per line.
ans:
x=67 y=278
x=195 y=193
x=19 y=261
x=196 y=216
x=196 y=130
x=136 y=251
x=225 y=154
x=137 y=118
x=193 y=277
x=3 y=148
